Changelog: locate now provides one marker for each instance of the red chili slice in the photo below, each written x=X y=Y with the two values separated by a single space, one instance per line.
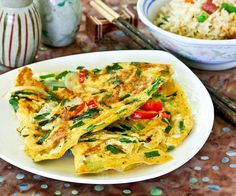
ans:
x=209 y=7
x=152 y=106
x=143 y=115
x=82 y=75
x=78 y=110
x=164 y=115
x=92 y=104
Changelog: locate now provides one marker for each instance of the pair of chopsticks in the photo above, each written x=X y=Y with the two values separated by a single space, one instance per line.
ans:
x=222 y=103
x=127 y=28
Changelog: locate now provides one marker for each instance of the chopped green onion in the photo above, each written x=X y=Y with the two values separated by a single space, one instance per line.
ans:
x=168 y=128
x=138 y=72
x=172 y=95
x=41 y=116
x=181 y=125
x=77 y=124
x=57 y=87
x=228 y=7
x=132 y=101
x=152 y=154
x=41 y=124
x=19 y=93
x=117 y=81
x=140 y=126
x=88 y=139
x=44 y=137
x=155 y=85
x=165 y=120
x=52 y=96
x=113 y=67
x=14 y=101
x=126 y=140
x=47 y=76
x=96 y=71
x=114 y=149
x=202 y=17
x=88 y=114
x=121 y=111
x=91 y=128
x=170 y=148
x=126 y=127
x=124 y=97
x=80 y=67
x=61 y=75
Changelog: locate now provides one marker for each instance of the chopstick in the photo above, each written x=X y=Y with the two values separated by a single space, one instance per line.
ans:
x=128 y=29
x=222 y=98
x=222 y=103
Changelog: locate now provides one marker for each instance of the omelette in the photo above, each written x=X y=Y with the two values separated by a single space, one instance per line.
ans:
x=56 y=109
x=133 y=141
x=115 y=118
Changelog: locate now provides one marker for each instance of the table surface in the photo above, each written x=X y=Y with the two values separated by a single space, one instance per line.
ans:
x=211 y=172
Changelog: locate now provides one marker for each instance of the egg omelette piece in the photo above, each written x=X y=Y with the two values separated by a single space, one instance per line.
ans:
x=105 y=151
x=55 y=128
x=162 y=133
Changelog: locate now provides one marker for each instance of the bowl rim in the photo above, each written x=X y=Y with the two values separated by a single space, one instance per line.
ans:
x=178 y=37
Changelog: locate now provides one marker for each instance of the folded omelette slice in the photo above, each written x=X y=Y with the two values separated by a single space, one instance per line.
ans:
x=124 y=143
x=75 y=103
x=103 y=151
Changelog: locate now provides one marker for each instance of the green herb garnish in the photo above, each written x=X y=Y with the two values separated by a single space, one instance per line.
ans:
x=47 y=76
x=113 y=67
x=41 y=116
x=114 y=149
x=152 y=154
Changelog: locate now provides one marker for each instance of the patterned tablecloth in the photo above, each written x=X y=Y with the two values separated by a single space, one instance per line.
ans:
x=211 y=172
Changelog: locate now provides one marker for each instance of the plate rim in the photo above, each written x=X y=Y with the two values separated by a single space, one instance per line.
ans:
x=130 y=179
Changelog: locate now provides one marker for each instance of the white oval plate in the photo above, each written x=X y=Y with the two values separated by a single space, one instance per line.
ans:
x=11 y=145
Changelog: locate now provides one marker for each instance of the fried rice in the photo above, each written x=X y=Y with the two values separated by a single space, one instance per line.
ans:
x=192 y=18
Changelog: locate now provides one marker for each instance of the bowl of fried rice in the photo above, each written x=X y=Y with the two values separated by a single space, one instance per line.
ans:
x=203 y=32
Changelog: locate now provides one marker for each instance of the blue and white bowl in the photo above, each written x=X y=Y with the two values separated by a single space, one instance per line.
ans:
x=202 y=54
